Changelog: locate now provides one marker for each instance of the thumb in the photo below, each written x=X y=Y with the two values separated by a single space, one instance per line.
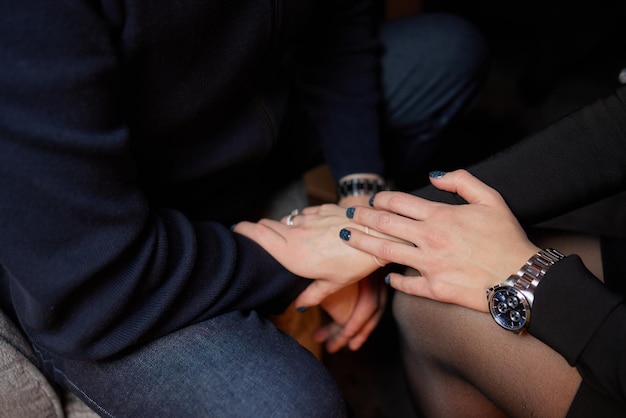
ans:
x=315 y=293
x=411 y=285
x=463 y=183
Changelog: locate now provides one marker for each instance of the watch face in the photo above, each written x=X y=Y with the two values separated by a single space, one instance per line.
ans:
x=509 y=308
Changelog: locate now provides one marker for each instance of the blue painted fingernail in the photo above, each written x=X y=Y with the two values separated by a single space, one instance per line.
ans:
x=233 y=226
x=436 y=174
x=302 y=309
x=372 y=200
x=350 y=213
x=344 y=234
x=388 y=279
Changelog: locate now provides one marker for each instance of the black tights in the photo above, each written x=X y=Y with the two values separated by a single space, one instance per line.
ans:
x=459 y=363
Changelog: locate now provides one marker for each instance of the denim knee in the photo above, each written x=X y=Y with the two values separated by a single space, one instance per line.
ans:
x=234 y=365
x=434 y=66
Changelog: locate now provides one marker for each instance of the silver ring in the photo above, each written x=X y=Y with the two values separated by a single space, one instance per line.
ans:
x=291 y=216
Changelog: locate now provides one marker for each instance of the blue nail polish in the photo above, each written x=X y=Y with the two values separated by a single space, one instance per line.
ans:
x=388 y=279
x=372 y=200
x=350 y=213
x=344 y=234
x=233 y=226
x=436 y=174
x=302 y=309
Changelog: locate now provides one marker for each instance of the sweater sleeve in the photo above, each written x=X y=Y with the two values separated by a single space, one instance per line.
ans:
x=91 y=266
x=338 y=78
x=579 y=317
x=577 y=160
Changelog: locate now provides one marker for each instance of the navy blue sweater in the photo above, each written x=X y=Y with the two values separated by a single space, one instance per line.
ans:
x=132 y=133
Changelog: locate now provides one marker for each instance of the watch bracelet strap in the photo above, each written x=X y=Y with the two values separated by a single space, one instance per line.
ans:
x=531 y=273
x=361 y=186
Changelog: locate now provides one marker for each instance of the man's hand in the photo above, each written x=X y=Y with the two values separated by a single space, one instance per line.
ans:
x=311 y=248
x=356 y=311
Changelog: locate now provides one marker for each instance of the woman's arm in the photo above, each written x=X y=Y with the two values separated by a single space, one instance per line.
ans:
x=462 y=250
x=575 y=161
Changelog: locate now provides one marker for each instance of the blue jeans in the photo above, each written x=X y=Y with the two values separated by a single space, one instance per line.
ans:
x=434 y=66
x=238 y=364
x=234 y=365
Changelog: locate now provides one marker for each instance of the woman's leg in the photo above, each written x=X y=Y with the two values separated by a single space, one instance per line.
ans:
x=433 y=68
x=234 y=365
x=460 y=363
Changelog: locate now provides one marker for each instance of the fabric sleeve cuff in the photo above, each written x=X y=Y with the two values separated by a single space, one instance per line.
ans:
x=570 y=305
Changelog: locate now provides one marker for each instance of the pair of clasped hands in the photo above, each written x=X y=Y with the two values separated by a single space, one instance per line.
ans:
x=458 y=252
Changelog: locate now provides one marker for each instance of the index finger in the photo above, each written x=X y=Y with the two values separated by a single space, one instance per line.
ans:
x=466 y=185
x=404 y=204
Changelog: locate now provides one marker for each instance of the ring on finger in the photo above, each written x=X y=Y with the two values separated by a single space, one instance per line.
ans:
x=376 y=259
x=291 y=216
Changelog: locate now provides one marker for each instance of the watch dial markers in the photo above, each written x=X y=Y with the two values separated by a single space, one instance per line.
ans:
x=508 y=308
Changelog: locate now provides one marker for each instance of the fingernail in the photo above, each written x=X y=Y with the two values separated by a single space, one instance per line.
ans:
x=436 y=174
x=388 y=279
x=233 y=226
x=344 y=234
x=302 y=309
x=372 y=200
x=350 y=213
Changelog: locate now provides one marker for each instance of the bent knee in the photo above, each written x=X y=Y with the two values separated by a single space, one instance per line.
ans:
x=415 y=317
x=426 y=325
x=457 y=47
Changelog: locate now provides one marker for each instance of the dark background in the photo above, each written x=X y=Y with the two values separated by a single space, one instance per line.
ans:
x=548 y=59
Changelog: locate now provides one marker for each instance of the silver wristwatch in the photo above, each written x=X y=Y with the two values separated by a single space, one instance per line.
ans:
x=510 y=302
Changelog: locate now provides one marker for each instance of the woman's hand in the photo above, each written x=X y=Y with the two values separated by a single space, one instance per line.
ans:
x=311 y=248
x=460 y=251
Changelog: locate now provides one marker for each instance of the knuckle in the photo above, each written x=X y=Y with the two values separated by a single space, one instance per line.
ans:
x=382 y=221
x=326 y=207
x=463 y=173
x=386 y=250
x=259 y=229
x=434 y=241
x=396 y=201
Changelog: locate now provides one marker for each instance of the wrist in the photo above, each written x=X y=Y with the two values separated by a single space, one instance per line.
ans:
x=515 y=259
x=510 y=302
x=351 y=201
x=352 y=176
x=360 y=184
